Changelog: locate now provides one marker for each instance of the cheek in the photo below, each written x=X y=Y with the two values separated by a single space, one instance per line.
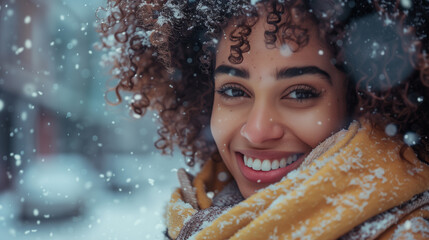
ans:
x=317 y=124
x=221 y=125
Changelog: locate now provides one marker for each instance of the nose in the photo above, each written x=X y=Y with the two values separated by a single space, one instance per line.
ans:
x=262 y=125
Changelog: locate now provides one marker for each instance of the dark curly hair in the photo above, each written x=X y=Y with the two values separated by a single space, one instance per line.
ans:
x=163 y=51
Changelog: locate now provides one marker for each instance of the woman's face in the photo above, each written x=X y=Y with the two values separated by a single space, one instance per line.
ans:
x=272 y=109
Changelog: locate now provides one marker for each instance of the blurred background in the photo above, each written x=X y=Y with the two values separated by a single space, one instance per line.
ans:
x=71 y=166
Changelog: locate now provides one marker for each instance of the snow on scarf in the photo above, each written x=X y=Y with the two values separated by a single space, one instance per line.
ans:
x=354 y=185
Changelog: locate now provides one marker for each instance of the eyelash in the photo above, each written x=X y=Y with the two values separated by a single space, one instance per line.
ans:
x=231 y=87
x=308 y=92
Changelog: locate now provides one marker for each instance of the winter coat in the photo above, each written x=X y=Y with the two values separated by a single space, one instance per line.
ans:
x=357 y=184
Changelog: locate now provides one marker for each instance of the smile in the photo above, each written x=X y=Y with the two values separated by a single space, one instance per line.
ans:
x=268 y=165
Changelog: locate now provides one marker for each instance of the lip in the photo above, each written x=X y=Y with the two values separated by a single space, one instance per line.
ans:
x=271 y=176
x=263 y=154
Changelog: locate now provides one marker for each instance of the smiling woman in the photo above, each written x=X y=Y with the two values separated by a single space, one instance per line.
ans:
x=309 y=118
x=272 y=110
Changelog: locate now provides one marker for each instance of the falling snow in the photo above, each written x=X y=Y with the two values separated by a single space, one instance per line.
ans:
x=406 y=3
x=58 y=135
x=27 y=20
x=19 y=50
x=222 y=176
x=391 y=130
x=73 y=166
x=411 y=138
x=285 y=50
x=28 y=44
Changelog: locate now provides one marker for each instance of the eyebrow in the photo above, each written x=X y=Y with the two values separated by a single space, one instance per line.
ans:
x=284 y=73
x=299 y=71
x=232 y=71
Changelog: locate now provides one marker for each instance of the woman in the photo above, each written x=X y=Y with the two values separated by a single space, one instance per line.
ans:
x=317 y=109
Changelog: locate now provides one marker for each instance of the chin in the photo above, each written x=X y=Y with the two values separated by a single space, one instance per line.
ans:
x=250 y=188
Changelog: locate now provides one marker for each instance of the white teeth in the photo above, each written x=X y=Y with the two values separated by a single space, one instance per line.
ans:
x=249 y=162
x=256 y=164
x=275 y=164
x=291 y=159
x=266 y=165
x=282 y=163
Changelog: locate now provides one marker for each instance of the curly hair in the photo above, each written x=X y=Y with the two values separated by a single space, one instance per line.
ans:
x=163 y=51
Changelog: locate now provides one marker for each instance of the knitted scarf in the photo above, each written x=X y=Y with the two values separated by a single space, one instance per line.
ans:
x=357 y=184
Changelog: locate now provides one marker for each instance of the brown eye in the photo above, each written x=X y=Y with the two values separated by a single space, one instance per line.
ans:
x=302 y=92
x=232 y=92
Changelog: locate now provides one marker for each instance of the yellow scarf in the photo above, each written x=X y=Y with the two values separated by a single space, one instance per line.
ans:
x=351 y=177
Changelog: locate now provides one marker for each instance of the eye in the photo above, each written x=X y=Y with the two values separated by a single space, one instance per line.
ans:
x=232 y=91
x=302 y=92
